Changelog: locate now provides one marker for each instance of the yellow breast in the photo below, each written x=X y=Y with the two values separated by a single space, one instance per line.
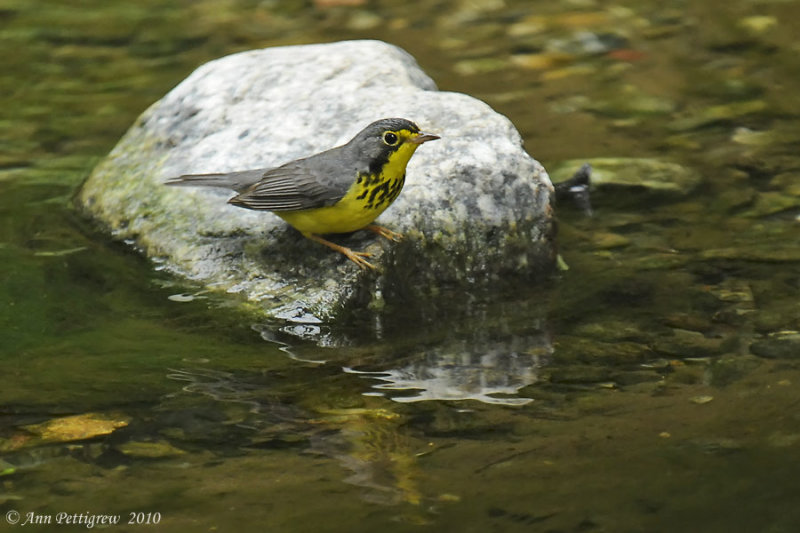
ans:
x=368 y=197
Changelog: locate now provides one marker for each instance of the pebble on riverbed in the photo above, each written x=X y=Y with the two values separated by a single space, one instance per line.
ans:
x=654 y=175
x=778 y=345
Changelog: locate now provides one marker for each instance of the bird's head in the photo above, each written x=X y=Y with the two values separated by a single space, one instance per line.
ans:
x=389 y=140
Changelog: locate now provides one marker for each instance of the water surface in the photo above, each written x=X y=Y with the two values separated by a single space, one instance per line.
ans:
x=652 y=386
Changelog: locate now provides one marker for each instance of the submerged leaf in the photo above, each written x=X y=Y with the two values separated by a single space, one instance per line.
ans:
x=77 y=427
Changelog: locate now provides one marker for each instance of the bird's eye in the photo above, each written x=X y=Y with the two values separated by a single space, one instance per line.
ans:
x=390 y=138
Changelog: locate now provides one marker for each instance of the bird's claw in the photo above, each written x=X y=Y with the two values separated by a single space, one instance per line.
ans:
x=359 y=258
x=386 y=233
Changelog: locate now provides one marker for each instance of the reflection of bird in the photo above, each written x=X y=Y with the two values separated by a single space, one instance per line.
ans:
x=336 y=191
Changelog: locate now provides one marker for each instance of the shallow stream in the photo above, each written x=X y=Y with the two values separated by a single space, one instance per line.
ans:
x=652 y=386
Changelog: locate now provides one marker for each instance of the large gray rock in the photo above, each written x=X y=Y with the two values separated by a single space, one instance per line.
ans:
x=475 y=208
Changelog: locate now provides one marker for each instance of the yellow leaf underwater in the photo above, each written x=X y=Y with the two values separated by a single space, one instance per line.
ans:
x=77 y=427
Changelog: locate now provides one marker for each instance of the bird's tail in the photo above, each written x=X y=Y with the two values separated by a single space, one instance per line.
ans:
x=201 y=180
x=237 y=181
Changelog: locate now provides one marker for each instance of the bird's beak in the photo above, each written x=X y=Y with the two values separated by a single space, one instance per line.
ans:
x=423 y=137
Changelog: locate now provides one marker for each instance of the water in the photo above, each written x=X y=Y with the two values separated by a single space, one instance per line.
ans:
x=650 y=387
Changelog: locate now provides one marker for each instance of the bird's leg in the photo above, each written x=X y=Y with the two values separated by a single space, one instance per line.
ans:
x=385 y=232
x=355 y=257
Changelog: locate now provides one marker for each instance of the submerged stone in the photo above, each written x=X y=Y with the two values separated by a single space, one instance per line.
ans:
x=149 y=450
x=475 y=208
x=758 y=24
x=718 y=114
x=578 y=374
x=789 y=182
x=685 y=343
x=651 y=174
x=629 y=101
x=765 y=252
x=778 y=345
x=770 y=203
x=730 y=368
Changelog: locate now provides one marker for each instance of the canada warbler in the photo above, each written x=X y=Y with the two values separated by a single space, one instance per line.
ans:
x=336 y=191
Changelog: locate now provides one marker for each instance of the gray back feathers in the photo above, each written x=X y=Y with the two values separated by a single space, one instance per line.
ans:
x=316 y=181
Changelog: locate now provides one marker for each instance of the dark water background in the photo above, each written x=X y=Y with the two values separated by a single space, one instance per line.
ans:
x=653 y=386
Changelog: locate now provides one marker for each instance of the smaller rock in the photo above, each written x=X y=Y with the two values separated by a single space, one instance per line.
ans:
x=733 y=291
x=606 y=241
x=478 y=66
x=770 y=203
x=150 y=450
x=628 y=102
x=758 y=24
x=579 y=374
x=651 y=174
x=764 y=252
x=789 y=182
x=730 y=368
x=748 y=137
x=780 y=439
x=577 y=189
x=778 y=345
x=700 y=400
x=684 y=343
x=717 y=114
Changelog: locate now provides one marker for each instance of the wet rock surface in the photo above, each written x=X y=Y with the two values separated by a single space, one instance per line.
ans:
x=475 y=208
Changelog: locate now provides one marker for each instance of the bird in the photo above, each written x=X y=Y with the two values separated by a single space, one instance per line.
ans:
x=340 y=190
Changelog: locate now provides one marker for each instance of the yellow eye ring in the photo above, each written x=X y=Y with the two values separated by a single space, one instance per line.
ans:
x=390 y=138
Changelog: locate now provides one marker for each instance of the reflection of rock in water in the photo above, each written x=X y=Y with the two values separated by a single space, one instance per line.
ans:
x=465 y=371
x=370 y=443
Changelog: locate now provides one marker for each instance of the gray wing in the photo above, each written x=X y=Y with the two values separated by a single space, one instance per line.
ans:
x=303 y=184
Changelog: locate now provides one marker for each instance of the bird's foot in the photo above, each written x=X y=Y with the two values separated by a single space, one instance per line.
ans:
x=356 y=257
x=386 y=233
